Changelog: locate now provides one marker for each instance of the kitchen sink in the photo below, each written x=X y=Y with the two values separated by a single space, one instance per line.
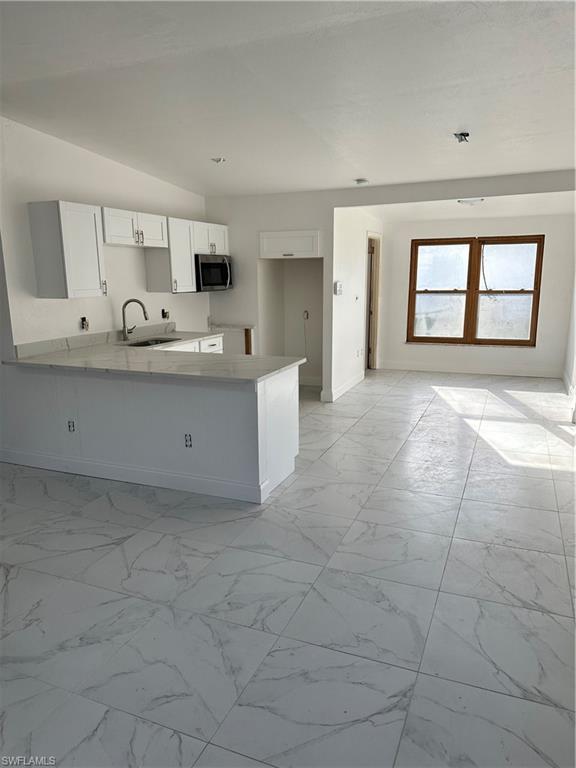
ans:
x=152 y=342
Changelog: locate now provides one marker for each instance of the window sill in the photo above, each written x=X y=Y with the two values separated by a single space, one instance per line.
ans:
x=507 y=345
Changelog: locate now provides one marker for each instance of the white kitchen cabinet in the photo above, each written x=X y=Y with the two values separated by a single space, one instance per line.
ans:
x=212 y=345
x=211 y=238
x=67 y=243
x=201 y=237
x=218 y=238
x=153 y=230
x=297 y=244
x=122 y=227
x=172 y=269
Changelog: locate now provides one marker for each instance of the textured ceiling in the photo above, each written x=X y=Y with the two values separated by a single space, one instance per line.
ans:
x=299 y=95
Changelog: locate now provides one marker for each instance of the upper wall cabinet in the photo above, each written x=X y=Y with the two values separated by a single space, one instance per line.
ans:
x=210 y=238
x=153 y=230
x=172 y=270
x=132 y=228
x=67 y=244
x=299 y=244
x=120 y=227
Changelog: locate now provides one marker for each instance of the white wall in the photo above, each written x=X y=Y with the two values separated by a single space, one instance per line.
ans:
x=6 y=343
x=546 y=359
x=41 y=167
x=570 y=357
x=270 y=317
x=351 y=229
x=250 y=214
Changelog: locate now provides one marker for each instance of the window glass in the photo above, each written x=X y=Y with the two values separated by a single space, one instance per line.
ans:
x=440 y=315
x=504 y=317
x=508 y=266
x=442 y=267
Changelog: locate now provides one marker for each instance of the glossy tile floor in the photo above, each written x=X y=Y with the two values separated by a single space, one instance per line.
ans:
x=403 y=600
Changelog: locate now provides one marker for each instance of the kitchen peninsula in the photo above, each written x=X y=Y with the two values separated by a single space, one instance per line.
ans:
x=223 y=425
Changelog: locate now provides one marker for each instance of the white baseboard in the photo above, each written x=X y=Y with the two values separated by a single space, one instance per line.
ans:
x=404 y=365
x=311 y=381
x=331 y=395
x=571 y=390
x=159 y=478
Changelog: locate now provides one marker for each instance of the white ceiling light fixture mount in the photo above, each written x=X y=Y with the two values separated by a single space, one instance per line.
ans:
x=461 y=137
x=218 y=160
x=471 y=200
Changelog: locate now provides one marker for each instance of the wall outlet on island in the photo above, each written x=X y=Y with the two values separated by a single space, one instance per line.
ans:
x=84 y=324
x=165 y=314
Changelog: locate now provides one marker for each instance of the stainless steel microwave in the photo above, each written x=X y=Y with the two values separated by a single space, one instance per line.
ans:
x=213 y=273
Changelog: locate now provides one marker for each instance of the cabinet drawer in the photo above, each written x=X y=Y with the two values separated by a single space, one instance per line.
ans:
x=211 y=345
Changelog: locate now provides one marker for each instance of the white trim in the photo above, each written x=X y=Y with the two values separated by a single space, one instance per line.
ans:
x=311 y=381
x=331 y=395
x=406 y=365
x=206 y=485
x=379 y=327
x=571 y=390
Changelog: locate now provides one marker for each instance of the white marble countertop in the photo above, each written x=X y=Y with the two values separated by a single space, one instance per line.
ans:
x=163 y=360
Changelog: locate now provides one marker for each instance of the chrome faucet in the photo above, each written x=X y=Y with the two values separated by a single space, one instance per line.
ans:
x=125 y=330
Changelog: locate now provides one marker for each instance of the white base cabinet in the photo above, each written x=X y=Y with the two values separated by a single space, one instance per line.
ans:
x=212 y=345
x=68 y=249
x=223 y=438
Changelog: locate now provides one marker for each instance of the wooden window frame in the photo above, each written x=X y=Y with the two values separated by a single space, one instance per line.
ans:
x=472 y=291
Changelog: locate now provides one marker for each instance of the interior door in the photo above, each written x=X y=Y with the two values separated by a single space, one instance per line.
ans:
x=373 y=301
x=218 y=236
x=181 y=239
x=154 y=229
x=82 y=242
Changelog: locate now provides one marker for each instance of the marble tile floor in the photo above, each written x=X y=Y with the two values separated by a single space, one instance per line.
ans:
x=405 y=598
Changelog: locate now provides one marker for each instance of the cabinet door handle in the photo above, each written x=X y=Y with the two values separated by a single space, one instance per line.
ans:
x=105 y=287
x=175 y=286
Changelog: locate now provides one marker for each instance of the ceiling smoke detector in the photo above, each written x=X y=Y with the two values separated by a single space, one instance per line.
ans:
x=461 y=137
x=218 y=160
x=471 y=200
x=360 y=181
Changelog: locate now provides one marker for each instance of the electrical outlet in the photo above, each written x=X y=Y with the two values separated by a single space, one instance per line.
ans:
x=71 y=425
x=187 y=440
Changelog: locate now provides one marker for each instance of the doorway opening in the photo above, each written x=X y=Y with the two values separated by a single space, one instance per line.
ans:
x=372 y=300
